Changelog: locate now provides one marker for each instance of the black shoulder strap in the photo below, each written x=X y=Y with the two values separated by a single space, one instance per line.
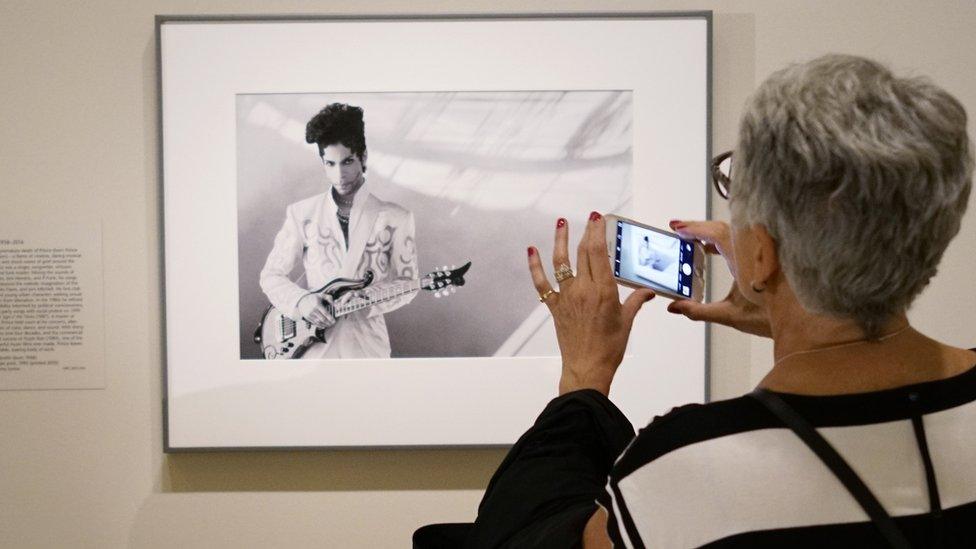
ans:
x=837 y=465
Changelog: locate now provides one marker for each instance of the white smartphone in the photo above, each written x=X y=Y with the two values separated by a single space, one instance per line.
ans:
x=647 y=257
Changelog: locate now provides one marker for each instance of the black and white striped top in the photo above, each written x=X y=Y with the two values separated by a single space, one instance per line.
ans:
x=729 y=473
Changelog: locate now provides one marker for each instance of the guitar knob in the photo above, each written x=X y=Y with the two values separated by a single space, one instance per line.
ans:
x=284 y=350
x=291 y=344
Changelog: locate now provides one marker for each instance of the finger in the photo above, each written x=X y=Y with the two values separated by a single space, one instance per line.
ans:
x=319 y=317
x=582 y=255
x=633 y=304
x=316 y=319
x=597 y=249
x=323 y=316
x=713 y=233
x=539 y=279
x=707 y=312
x=560 y=252
x=327 y=305
x=709 y=247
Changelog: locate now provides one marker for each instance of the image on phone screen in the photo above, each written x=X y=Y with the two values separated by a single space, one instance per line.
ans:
x=651 y=258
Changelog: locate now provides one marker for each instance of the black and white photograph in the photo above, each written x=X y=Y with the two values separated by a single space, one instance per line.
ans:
x=369 y=223
x=346 y=233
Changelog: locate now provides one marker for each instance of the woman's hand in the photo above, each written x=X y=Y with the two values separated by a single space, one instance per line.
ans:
x=592 y=326
x=735 y=310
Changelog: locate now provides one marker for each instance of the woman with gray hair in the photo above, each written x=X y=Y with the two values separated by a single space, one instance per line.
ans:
x=849 y=183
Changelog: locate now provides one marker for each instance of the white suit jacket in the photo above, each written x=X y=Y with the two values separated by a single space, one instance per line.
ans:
x=381 y=239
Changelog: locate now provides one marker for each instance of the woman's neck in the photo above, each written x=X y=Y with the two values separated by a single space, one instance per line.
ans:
x=801 y=333
x=821 y=355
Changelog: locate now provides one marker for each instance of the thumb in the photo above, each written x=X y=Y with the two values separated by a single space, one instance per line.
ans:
x=711 y=312
x=634 y=302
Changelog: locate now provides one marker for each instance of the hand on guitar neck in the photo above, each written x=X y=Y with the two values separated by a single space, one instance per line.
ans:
x=324 y=309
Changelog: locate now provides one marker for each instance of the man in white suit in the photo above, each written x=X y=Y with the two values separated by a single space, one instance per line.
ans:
x=342 y=233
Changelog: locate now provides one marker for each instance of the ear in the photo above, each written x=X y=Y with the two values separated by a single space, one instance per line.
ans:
x=765 y=260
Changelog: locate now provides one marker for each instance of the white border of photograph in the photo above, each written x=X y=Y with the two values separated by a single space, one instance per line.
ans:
x=216 y=400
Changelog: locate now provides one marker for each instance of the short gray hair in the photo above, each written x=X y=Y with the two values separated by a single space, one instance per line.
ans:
x=861 y=177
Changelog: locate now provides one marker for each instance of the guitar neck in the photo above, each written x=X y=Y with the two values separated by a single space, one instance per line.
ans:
x=374 y=296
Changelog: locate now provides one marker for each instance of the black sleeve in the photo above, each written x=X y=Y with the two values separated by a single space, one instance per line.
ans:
x=545 y=490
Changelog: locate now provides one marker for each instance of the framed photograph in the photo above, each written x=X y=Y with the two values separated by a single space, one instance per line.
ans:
x=347 y=204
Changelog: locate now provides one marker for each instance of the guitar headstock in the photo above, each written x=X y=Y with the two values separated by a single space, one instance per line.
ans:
x=445 y=281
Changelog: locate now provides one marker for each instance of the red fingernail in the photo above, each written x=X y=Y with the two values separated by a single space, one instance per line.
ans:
x=674 y=224
x=531 y=251
x=594 y=216
x=560 y=223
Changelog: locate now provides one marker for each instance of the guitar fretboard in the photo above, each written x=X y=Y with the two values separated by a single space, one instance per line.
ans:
x=374 y=296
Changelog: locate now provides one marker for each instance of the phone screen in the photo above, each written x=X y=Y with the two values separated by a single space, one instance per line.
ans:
x=652 y=258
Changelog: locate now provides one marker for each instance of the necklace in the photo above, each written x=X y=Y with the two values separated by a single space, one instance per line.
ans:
x=341 y=200
x=840 y=345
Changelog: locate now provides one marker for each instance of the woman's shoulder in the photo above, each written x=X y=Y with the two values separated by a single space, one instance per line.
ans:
x=732 y=420
x=692 y=424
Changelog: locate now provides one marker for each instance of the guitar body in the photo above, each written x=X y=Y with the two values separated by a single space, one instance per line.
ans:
x=280 y=337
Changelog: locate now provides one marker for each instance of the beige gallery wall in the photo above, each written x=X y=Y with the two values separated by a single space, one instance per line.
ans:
x=78 y=139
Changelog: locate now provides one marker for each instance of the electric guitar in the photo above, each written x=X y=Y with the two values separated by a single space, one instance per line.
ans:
x=280 y=337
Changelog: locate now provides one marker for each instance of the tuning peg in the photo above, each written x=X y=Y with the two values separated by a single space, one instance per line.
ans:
x=453 y=289
x=453 y=267
x=444 y=268
x=437 y=294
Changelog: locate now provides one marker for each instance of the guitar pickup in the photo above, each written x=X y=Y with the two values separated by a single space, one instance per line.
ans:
x=286 y=329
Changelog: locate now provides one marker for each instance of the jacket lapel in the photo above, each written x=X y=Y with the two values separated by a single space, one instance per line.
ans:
x=362 y=218
x=329 y=219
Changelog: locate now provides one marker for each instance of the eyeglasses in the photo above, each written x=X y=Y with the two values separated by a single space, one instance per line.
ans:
x=722 y=173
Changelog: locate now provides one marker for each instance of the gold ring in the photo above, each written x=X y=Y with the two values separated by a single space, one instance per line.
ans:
x=563 y=272
x=544 y=296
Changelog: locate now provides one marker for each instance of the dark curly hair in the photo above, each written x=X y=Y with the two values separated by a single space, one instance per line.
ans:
x=338 y=123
